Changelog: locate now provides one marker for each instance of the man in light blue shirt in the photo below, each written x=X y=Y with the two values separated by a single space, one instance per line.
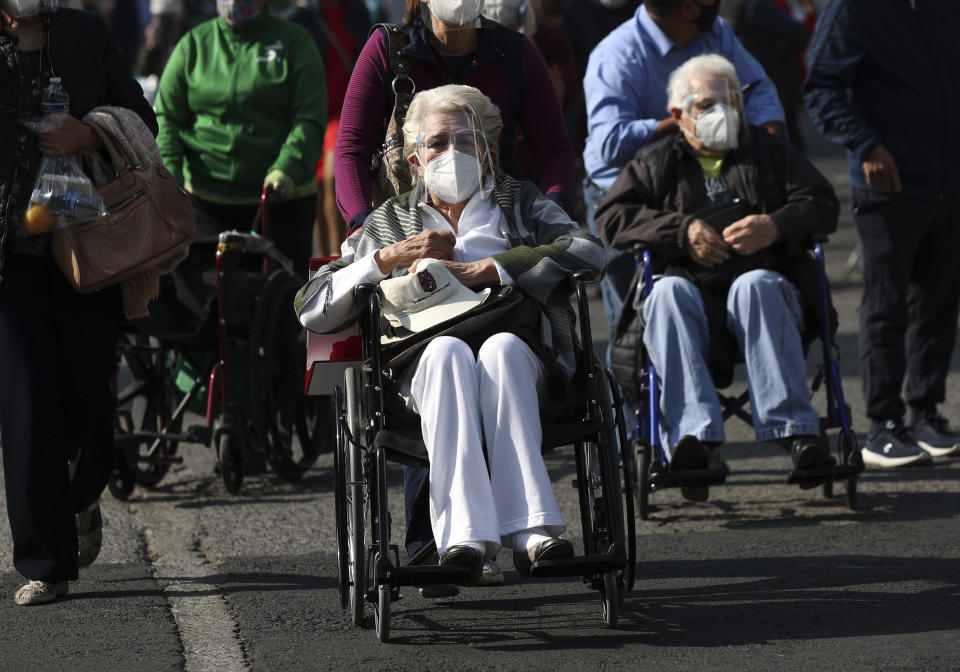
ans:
x=626 y=94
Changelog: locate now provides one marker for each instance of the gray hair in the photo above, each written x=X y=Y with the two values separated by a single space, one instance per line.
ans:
x=453 y=98
x=715 y=65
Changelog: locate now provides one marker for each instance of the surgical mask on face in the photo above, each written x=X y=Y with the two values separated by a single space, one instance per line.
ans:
x=453 y=176
x=456 y=12
x=238 y=12
x=718 y=127
x=18 y=9
x=708 y=14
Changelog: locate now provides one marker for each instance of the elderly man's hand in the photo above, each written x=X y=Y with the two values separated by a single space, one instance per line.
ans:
x=880 y=170
x=471 y=273
x=751 y=234
x=706 y=245
x=429 y=244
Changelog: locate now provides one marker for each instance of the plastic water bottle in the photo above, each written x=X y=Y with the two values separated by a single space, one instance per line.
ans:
x=55 y=99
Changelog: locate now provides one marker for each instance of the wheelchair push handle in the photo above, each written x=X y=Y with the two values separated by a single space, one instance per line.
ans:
x=265 y=197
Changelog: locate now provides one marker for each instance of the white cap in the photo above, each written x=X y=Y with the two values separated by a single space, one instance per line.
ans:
x=432 y=295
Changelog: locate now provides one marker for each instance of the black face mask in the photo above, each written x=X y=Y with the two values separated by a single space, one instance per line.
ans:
x=707 y=16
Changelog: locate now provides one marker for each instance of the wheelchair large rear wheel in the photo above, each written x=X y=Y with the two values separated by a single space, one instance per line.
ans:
x=628 y=472
x=144 y=406
x=355 y=499
x=339 y=499
x=293 y=428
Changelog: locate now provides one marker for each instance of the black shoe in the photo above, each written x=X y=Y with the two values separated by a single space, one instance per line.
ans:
x=808 y=452
x=464 y=556
x=691 y=455
x=554 y=548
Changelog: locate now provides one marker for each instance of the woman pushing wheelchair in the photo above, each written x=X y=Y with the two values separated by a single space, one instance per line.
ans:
x=727 y=210
x=467 y=225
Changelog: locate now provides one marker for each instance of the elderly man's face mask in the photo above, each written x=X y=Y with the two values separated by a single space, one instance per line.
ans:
x=451 y=152
x=711 y=115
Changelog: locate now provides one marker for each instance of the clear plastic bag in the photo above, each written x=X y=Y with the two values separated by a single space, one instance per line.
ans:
x=62 y=195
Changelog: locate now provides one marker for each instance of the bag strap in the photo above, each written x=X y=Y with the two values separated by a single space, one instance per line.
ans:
x=120 y=162
x=402 y=85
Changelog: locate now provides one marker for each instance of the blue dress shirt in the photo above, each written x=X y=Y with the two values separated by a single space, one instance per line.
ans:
x=626 y=88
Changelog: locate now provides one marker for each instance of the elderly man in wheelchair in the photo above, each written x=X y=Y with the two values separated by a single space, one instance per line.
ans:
x=483 y=228
x=726 y=210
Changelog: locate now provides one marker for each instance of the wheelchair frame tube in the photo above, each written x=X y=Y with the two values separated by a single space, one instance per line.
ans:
x=653 y=378
x=836 y=404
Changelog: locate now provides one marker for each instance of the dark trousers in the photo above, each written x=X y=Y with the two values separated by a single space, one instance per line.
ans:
x=416 y=499
x=291 y=225
x=58 y=359
x=911 y=291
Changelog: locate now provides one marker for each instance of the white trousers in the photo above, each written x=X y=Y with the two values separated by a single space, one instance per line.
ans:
x=461 y=400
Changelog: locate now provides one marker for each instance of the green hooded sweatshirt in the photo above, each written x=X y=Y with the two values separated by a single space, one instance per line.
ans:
x=241 y=107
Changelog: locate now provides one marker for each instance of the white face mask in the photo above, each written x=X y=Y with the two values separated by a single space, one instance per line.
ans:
x=18 y=9
x=718 y=127
x=456 y=12
x=453 y=176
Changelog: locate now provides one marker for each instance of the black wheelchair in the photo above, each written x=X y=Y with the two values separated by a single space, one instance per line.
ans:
x=653 y=466
x=368 y=437
x=228 y=336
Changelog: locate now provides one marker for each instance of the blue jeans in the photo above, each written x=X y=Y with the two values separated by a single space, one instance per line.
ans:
x=765 y=315
x=615 y=285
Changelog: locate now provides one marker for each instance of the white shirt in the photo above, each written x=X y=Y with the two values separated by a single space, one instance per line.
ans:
x=478 y=237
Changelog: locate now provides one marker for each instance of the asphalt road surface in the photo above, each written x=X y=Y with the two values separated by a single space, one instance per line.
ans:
x=762 y=576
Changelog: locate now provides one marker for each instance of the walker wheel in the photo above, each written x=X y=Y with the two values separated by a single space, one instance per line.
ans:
x=231 y=462
x=121 y=484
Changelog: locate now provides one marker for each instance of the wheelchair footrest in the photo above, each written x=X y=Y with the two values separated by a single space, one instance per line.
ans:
x=835 y=473
x=429 y=575
x=689 y=478
x=582 y=565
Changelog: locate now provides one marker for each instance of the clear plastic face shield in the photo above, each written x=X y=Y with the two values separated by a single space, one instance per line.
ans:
x=447 y=15
x=452 y=157
x=711 y=114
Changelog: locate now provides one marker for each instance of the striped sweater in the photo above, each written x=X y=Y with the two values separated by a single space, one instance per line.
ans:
x=546 y=246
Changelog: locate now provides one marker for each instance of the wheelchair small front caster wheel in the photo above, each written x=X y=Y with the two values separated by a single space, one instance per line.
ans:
x=230 y=455
x=381 y=613
x=121 y=484
x=610 y=599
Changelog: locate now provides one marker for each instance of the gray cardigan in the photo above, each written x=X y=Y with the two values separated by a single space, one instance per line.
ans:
x=546 y=246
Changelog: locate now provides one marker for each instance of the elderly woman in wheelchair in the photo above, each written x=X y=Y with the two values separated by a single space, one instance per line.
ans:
x=484 y=228
x=726 y=210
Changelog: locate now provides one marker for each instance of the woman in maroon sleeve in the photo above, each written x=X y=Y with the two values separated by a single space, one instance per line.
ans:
x=448 y=42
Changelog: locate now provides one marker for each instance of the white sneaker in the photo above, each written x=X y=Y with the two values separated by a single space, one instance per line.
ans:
x=89 y=535
x=40 y=592
x=491 y=576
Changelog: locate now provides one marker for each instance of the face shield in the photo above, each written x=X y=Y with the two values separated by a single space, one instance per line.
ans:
x=453 y=14
x=711 y=114
x=453 y=158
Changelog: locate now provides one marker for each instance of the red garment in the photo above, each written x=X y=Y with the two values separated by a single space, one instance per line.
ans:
x=338 y=72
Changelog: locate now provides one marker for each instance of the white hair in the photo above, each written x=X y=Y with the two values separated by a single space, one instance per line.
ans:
x=452 y=98
x=715 y=65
